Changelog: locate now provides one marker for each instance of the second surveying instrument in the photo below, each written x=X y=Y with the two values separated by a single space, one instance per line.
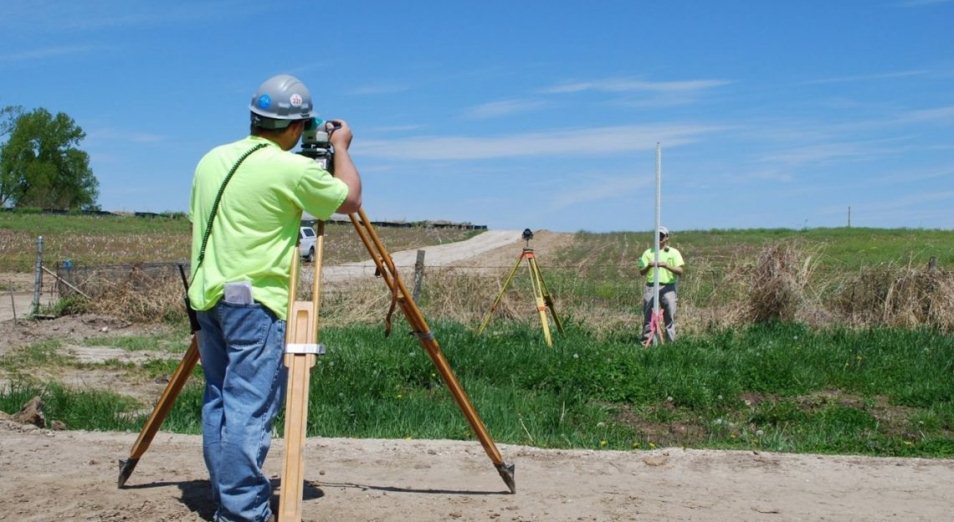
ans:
x=540 y=293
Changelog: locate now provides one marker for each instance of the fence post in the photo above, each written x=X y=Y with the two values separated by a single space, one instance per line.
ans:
x=418 y=275
x=37 y=276
x=932 y=263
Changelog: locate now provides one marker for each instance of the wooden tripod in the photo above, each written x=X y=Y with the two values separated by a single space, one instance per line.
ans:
x=540 y=294
x=300 y=356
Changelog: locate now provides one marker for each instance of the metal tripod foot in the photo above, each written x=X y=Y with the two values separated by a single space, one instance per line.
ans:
x=506 y=473
x=126 y=468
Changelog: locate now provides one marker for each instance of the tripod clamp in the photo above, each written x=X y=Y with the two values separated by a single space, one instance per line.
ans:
x=305 y=348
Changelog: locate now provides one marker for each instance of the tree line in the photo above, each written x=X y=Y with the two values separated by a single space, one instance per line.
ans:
x=41 y=164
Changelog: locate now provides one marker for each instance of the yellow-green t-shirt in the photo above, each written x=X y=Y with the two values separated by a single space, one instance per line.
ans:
x=668 y=255
x=255 y=231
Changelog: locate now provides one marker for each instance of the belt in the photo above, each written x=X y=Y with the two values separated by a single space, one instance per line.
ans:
x=662 y=284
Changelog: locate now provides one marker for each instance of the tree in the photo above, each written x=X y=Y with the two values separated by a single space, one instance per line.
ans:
x=41 y=164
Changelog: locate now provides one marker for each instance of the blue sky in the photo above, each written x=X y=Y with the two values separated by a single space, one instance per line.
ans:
x=516 y=114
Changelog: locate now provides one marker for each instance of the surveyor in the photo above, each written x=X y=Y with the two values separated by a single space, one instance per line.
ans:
x=246 y=206
x=671 y=266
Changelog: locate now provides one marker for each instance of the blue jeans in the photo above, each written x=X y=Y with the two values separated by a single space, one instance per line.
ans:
x=241 y=347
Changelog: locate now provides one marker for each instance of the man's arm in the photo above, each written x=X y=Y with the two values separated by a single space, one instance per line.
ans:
x=345 y=169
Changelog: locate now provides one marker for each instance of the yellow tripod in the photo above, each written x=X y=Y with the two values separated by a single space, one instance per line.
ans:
x=540 y=293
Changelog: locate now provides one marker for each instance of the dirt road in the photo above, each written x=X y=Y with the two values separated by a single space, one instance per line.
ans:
x=438 y=255
x=71 y=476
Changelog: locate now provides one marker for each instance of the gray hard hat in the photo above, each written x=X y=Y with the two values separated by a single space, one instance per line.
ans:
x=663 y=231
x=279 y=101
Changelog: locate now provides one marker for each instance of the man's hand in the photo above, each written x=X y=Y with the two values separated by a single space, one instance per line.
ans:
x=339 y=134
x=340 y=137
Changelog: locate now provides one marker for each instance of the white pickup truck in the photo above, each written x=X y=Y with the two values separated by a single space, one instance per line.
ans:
x=306 y=243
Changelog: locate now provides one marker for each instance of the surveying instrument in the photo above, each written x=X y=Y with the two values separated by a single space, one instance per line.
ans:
x=540 y=293
x=302 y=350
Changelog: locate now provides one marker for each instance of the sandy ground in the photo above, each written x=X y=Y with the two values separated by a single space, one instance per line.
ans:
x=72 y=475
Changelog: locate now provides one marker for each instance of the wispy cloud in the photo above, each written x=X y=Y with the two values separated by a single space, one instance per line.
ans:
x=778 y=176
x=637 y=93
x=593 y=141
x=393 y=129
x=499 y=109
x=922 y=3
x=44 y=53
x=100 y=136
x=944 y=113
x=632 y=85
x=868 y=77
x=48 y=15
x=599 y=190
x=380 y=88
x=832 y=152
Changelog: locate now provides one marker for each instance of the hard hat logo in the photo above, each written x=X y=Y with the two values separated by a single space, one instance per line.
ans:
x=264 y=101
x=295 y=100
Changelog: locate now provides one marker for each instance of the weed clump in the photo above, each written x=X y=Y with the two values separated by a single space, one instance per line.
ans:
x=778 y=284
x=137 y=293
x=900 y=296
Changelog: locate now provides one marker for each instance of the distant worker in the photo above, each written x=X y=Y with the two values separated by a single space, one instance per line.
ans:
x=246 y=207
x=670 y=268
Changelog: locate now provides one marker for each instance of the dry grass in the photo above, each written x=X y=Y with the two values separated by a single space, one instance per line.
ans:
x=900 y=296
x=777 y=284
x=141 y=293
x=780 y=284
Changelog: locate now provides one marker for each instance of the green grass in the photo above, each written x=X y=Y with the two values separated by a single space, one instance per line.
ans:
x=774 y=387
x=614 y=255
x=168 y=341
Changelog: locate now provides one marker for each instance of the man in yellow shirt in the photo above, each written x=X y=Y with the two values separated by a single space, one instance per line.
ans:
x=246 y=207
x=671 y=266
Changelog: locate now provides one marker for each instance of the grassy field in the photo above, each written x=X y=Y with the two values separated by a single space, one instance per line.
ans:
x=857 y=358
x=772 y=387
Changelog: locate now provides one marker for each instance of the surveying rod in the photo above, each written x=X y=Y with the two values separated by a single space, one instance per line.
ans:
x=655 y=333
x=387 y=270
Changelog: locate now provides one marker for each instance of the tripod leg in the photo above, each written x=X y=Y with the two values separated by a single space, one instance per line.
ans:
x=161 y=410
x=301 y=352
x=537 y=282
x=169 y=394
x=296 y=416
x=503 y=289
x=549 y=301
x=389 y=273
